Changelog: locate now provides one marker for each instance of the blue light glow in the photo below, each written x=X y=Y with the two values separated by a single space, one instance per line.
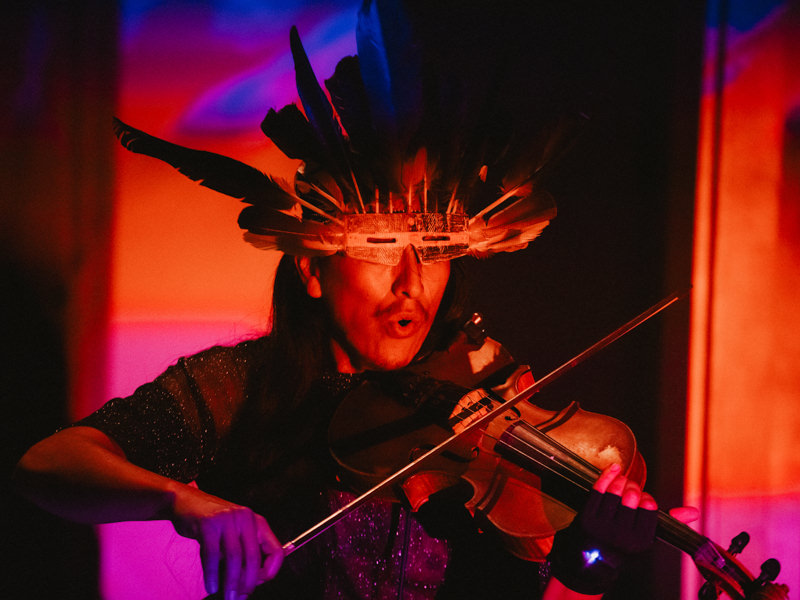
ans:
x=591 y=556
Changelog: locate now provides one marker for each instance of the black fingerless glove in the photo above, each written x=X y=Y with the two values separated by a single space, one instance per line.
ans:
x=588 y=555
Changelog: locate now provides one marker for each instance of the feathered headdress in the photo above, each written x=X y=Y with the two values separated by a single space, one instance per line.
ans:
x=402 y=150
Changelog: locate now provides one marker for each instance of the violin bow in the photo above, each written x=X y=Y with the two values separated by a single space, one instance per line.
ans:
x=410 y=468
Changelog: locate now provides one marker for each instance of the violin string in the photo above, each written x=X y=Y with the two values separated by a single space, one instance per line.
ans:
x=582 y=475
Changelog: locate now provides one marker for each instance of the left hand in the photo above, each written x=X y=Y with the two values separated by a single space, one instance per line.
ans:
x=613 y=482
x=470 y=407
x=633 y=496
x=618 y=520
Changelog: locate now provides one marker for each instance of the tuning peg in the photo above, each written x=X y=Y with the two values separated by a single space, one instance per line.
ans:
x=770 y=569
x=738 y=543
x=708 y=591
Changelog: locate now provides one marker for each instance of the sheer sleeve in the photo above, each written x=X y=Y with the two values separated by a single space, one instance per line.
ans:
x=174 y=425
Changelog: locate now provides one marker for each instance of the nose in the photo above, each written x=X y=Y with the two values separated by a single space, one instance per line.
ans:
x=408 y=274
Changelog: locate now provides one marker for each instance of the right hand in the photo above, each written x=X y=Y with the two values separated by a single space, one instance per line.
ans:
x=237 y=547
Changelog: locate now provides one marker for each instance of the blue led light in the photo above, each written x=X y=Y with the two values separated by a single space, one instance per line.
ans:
x=591 y=556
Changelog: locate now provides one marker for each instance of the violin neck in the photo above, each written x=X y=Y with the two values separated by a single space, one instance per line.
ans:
x=681 y=536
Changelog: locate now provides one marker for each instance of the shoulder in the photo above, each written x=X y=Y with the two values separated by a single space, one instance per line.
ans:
x=237 y=357
x=220 y=373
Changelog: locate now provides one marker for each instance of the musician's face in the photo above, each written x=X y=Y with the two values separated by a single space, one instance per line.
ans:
x=381 y=314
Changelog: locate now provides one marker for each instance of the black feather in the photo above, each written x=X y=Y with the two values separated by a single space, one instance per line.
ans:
x=291 y=132
x=349 y=98
x=214 y=171
x=390 y=65
x=258 y=219
x=273 y=230
x=320 y=114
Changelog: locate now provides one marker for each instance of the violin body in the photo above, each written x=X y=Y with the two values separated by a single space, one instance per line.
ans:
x=389 y=422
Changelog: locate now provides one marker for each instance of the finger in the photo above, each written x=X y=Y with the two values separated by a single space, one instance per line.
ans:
x=631 y=493
x=232 y=558
x=685 y=514
x=606 y=477
x=251 y=559
x=647 y=502
x=273 y=559
x=617 y=485
x=471 y=407
x=210 y=557
x=271 y=549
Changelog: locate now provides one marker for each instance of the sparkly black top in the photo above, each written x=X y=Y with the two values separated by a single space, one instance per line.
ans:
x=192 y=423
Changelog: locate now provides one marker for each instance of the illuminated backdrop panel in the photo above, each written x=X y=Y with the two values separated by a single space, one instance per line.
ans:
x=201 y=74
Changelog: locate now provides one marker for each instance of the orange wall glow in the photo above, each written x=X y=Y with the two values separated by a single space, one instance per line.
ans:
x=744 y=411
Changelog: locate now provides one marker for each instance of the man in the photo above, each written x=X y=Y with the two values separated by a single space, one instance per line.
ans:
x=380 y=316
x=369 y=229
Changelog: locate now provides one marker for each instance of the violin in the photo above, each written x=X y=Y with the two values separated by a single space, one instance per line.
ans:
x=527 y=469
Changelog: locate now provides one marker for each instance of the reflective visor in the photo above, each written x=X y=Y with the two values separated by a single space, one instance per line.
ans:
x=382 y=238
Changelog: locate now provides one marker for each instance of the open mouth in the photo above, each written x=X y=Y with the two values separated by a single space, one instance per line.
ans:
x=402 y=326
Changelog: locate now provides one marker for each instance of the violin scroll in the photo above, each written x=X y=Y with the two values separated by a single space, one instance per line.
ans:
x=724 y=574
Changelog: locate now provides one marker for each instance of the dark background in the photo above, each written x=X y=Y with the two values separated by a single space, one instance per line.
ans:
x=622 y=240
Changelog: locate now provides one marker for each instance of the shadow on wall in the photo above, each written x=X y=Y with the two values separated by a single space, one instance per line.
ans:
x=56 y=89
x=44 y=555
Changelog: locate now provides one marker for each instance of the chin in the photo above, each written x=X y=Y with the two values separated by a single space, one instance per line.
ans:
x=390 y=364
x=394 y=361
